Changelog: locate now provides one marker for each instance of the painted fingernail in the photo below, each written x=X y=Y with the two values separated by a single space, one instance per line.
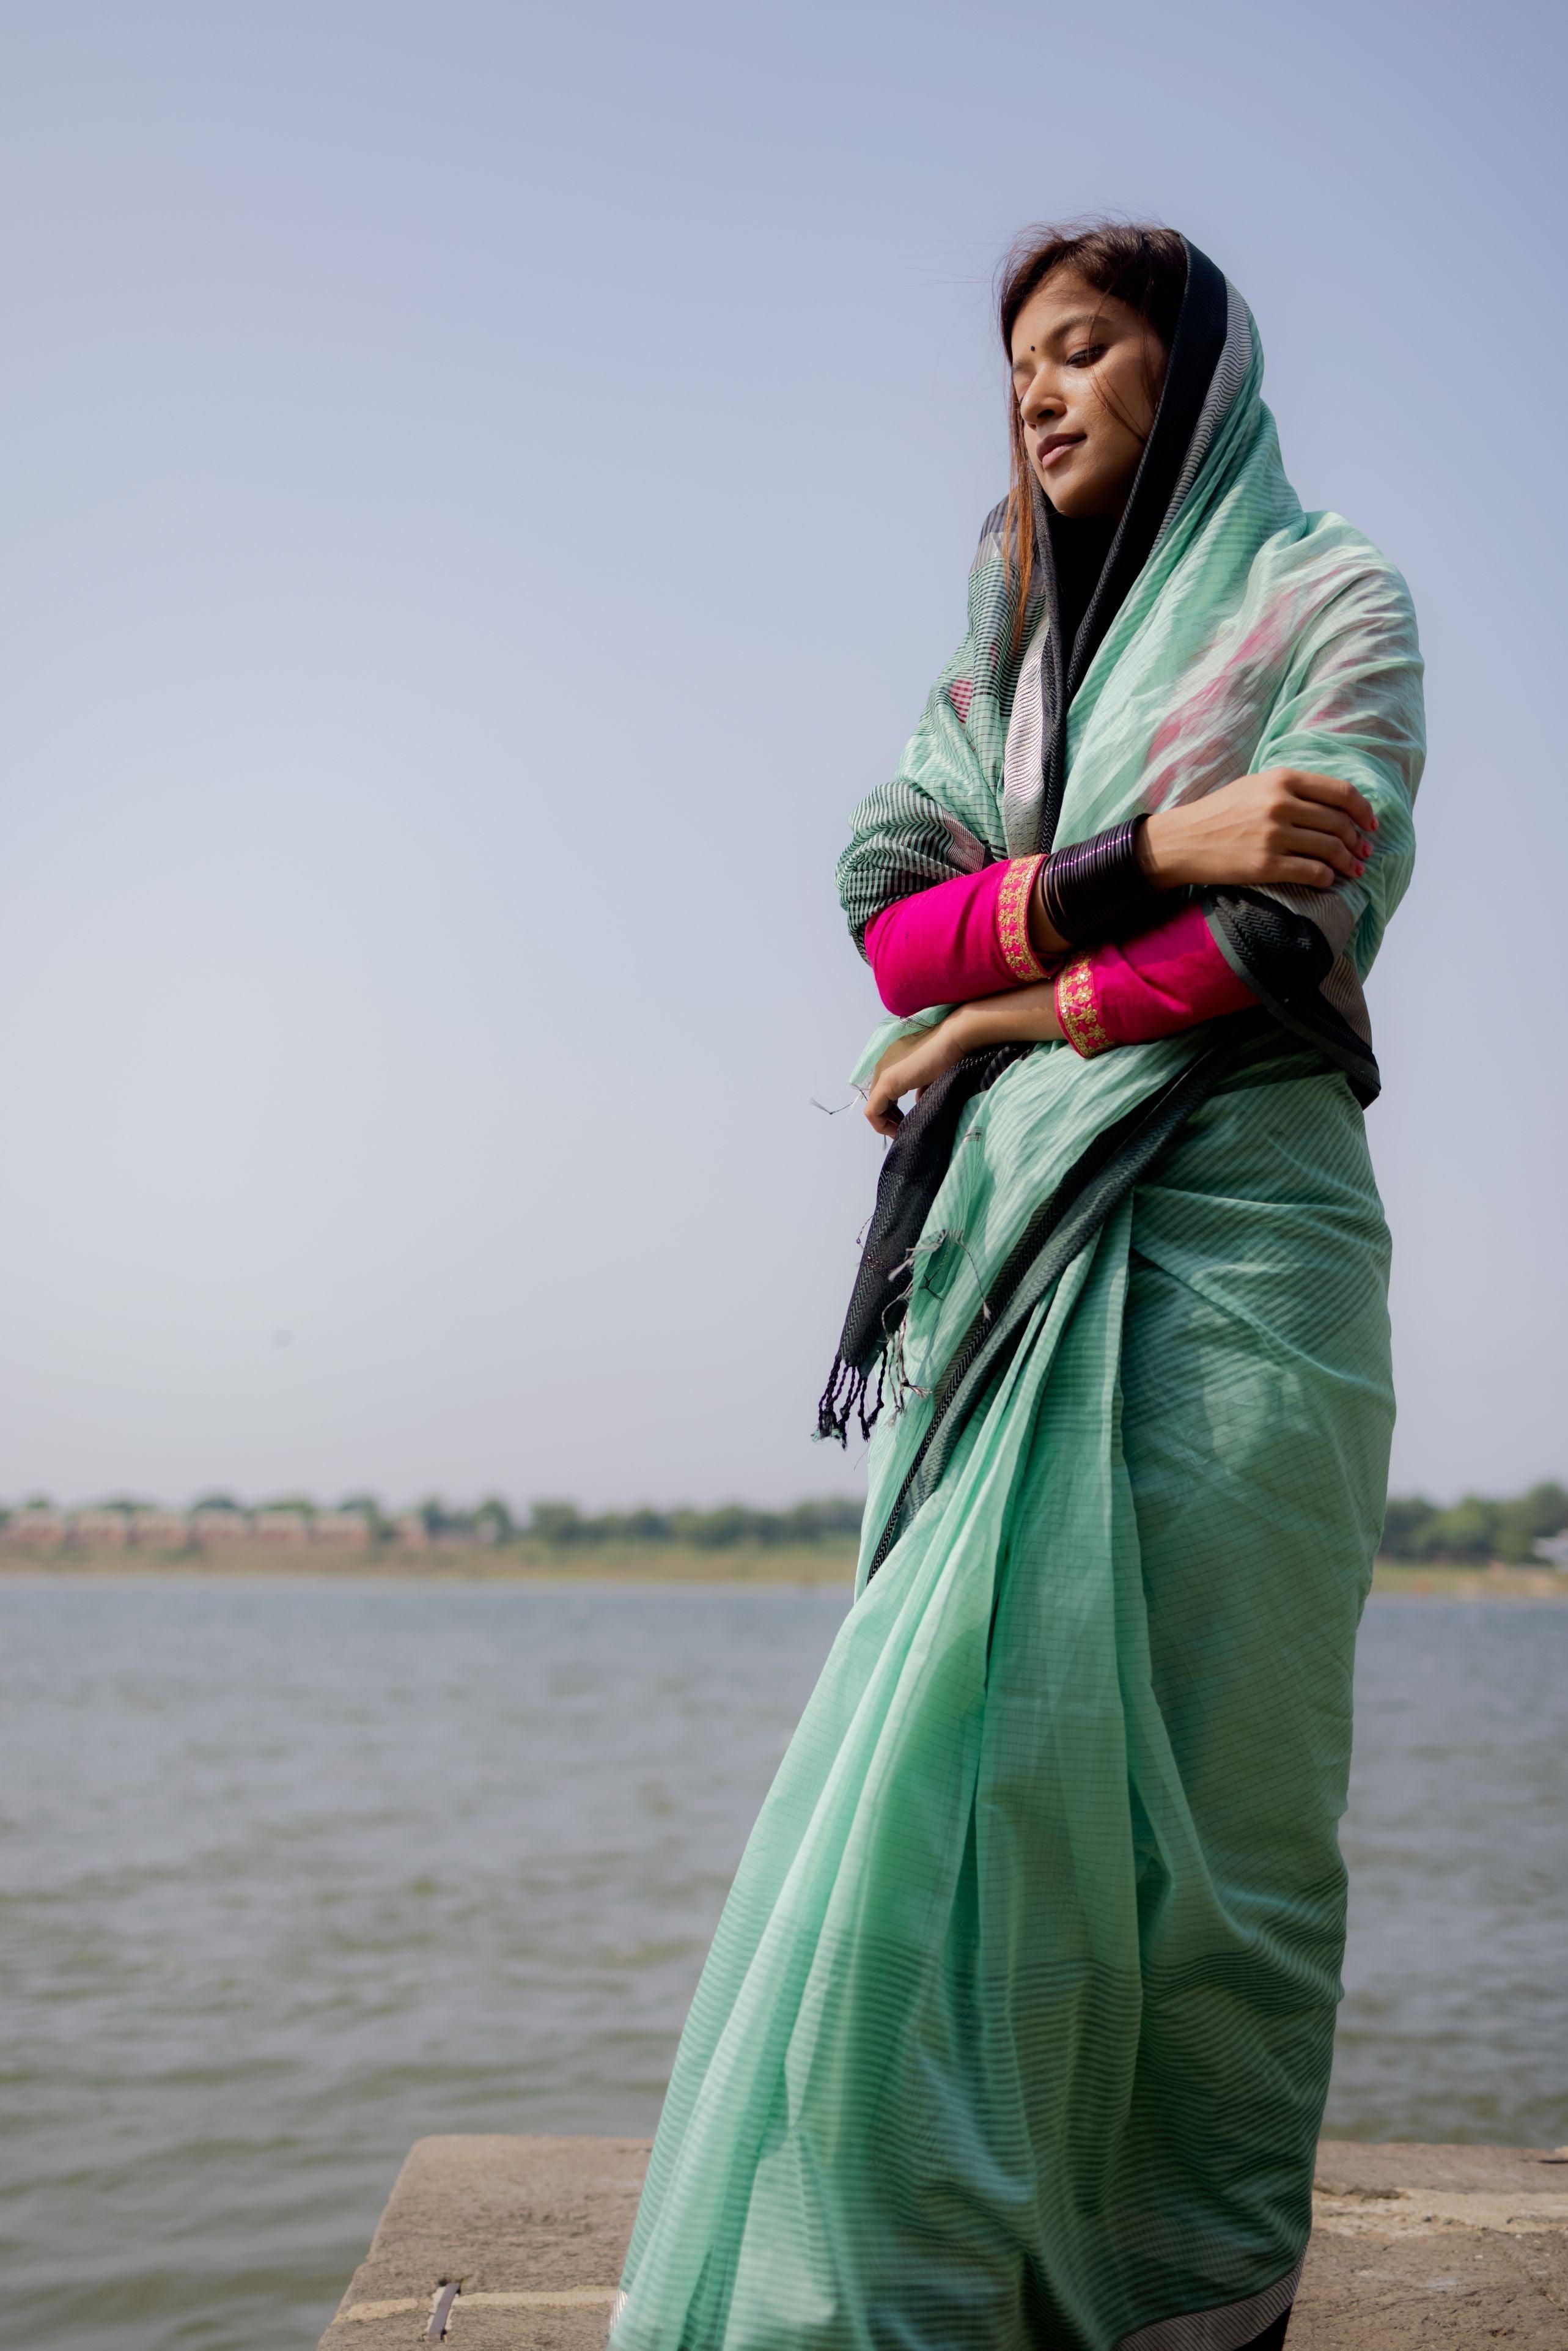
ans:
x=1359 y=872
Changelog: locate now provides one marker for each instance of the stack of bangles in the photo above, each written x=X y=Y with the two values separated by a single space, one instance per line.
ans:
x=1097 y=889
x=1093 y=894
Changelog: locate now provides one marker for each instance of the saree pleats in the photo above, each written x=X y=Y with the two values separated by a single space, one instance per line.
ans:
x=1016 y=2030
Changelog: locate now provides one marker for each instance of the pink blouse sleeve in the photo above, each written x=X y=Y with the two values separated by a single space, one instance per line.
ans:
x=958 y=940
x=1151 y=986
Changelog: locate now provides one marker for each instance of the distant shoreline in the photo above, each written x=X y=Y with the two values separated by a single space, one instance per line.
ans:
x=1403 y=1579
x=519 y=1563
x=628 y=1563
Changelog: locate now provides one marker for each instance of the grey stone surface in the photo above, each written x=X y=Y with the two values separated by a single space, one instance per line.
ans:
x=508 y=2217
x=1344 y=2165
x=1414 y=2248
x=1467 y=2288
x=1420 y=2248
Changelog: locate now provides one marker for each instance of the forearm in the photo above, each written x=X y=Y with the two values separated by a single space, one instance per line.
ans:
x=1287 y=825
x=1026 y=1016
x=1169 y=979
x=1172 y=979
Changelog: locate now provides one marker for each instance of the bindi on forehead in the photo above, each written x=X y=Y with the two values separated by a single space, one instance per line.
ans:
x=1054 y=333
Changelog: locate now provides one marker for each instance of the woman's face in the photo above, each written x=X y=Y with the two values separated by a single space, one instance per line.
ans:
x=1087 y=373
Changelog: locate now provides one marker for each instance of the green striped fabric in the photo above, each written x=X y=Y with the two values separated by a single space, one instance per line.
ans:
x=1016 y=2030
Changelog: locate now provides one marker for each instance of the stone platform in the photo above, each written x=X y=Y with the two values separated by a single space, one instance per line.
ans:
x=1414 y=2249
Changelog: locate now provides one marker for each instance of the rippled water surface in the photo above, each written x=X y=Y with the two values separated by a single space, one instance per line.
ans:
x=292 y=1872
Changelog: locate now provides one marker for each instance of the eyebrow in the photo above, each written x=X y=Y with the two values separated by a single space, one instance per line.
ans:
x=1067 y=326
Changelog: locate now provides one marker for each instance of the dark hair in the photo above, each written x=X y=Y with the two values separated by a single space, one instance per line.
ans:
x=1144 y=267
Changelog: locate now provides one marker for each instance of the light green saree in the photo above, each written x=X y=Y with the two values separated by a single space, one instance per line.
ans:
x=1017 y=2027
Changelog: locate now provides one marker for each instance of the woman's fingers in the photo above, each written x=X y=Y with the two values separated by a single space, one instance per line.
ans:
x=1318 y=818
x=1314 y=817
x=909 y=1065
x=1308 y=840
x=1305 y=873
x=1316 y=858
x=881 y=1108
x=1332 y=792
x=882 y=1100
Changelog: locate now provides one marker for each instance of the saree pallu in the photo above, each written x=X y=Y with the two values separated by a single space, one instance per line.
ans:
x=1016 y=2028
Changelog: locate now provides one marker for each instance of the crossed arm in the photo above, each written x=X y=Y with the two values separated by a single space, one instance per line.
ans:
x=1286 y=826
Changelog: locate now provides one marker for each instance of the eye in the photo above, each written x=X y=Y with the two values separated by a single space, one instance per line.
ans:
x=1087 y=356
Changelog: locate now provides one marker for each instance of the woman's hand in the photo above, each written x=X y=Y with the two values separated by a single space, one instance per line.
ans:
x=1022 y=1015
x=911 y=1064
x=1286 y=825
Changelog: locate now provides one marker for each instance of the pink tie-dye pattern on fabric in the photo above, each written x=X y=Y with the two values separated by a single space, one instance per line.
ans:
x=1209 y=738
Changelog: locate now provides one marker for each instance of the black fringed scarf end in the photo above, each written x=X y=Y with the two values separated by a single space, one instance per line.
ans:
x=844 y=1399
x=912 y=1174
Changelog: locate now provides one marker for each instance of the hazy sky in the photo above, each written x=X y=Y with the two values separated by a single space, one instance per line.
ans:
x=489 y=487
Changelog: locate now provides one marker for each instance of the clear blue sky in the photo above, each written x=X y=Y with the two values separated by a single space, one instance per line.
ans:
x=488 y=488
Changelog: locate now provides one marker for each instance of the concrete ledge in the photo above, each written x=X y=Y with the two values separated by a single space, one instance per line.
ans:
x=534 y=2229
x=1425 y=2248
x=1414 y=2248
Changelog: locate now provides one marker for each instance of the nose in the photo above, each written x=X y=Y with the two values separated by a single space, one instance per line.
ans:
x=1040 y=400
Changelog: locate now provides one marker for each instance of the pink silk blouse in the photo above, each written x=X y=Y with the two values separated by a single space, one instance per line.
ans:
x=969 y=937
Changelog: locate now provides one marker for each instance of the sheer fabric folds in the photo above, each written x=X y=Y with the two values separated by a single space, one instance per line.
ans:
x=1016 y=2030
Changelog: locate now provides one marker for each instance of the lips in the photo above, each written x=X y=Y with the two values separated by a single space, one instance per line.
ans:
x=1055 y=446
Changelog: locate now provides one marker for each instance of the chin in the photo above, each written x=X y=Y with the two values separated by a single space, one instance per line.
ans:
x=1077 y=501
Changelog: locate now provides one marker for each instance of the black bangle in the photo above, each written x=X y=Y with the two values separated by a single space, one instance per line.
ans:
x=1097 y=889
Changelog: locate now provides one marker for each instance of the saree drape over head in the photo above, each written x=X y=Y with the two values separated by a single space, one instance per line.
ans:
x=1017 y=2026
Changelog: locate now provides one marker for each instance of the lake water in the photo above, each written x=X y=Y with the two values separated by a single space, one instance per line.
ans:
x=293 y=1871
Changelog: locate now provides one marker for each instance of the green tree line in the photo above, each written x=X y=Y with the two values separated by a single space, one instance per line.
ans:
x=1477 y=1529
x=563 y=1525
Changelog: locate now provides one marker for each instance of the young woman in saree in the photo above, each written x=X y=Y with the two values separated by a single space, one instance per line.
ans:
x=1016 y=2030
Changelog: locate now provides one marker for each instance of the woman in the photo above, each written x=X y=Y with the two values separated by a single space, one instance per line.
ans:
x=1017 y=2027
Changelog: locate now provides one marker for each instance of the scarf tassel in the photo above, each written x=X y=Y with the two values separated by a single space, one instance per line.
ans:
x=844 y=1399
